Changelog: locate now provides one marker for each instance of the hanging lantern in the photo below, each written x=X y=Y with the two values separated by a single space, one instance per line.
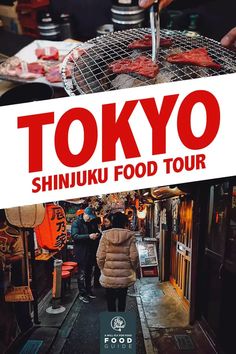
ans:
x=52 y=234
x=27 y=216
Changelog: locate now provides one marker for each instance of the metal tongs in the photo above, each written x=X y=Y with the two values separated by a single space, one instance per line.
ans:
x=155 y=29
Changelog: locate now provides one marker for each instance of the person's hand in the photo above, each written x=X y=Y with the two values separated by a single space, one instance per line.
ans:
x=93 y=236
x=229 y=40
x=147 y=3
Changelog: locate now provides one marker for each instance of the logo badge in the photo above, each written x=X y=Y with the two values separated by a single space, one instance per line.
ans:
x=118 y=332
x=118 y=323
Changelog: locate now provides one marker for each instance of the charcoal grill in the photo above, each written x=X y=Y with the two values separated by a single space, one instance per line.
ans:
x=90 y=73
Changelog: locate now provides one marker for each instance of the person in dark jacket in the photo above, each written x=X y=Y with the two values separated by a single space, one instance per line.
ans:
x=85 y=234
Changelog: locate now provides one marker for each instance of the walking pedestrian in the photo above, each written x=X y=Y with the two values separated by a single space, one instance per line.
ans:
x=85 y=234
x=96 y=270
x=106 y=224
x=117 y=259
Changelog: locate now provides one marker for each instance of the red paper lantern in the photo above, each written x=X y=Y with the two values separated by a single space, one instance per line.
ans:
x=52 y=234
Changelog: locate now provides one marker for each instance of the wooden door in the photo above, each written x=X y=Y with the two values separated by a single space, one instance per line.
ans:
x=214 y=255
x=228 y=312
x=181 y=243
x=219 y=274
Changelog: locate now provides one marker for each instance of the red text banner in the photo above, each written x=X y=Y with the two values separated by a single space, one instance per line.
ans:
x=116 y=141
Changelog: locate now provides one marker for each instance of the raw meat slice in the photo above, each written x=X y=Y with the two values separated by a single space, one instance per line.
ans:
x=79 y=51
x=3 y=70
x=76 y=53
x=14 y=67
x=53 y=76
x=26 y=75
x=140 y=65
x=29 y=70
x=146 y=42
x=54 y=73
x=48 y=53
x=10 y=70
x=36 y=68
x=8 y=67
x=13 y=61
x=166 y=42
x=197 y=56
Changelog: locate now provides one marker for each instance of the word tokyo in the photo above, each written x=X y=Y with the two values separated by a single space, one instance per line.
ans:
x=117 y=128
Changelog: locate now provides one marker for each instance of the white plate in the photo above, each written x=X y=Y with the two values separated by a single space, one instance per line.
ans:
x=28 y=55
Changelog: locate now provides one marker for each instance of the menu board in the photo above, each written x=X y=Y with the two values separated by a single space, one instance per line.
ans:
x=147 y=253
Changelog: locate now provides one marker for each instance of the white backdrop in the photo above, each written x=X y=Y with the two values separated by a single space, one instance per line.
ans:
x=16 y=186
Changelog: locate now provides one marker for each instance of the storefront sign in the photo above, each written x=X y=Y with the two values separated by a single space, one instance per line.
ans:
x=52 y=234
x=147 y=253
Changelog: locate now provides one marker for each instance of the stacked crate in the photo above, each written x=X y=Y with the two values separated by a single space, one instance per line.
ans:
x=27 y=14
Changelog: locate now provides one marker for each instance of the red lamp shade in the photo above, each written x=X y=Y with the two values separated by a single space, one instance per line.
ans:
x=51 y=234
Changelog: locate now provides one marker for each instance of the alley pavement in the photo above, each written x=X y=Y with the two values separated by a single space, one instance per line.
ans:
x=84 y=337
x=161 y=322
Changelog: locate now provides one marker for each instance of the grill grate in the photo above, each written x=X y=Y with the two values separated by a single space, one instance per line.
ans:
x=90 y=73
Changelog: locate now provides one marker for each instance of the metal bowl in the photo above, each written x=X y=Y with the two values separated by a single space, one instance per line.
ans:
x=29 y=92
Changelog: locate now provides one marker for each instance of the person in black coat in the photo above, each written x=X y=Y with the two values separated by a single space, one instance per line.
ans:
x=85 y=234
